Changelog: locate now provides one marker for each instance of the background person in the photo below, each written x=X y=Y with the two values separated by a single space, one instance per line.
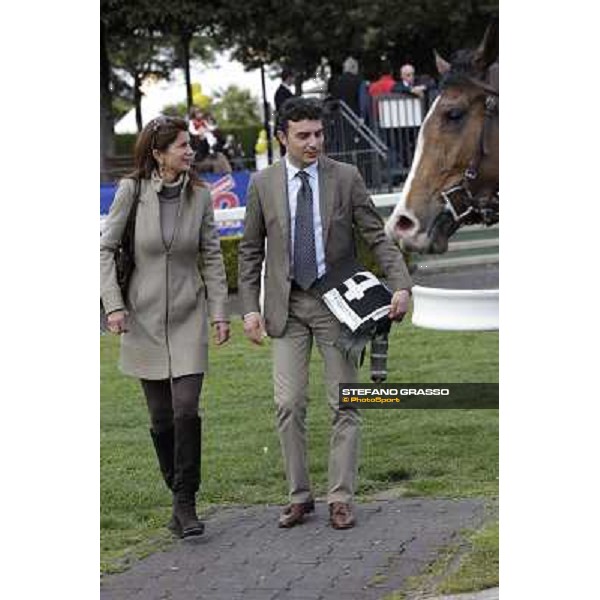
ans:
x=163 y=321
x=282 y=93
x=351 y=88
x=385 y=83
x=234 y=152
x=407 y=85
x=203 y=126
x=207 y=143
x=307 y=207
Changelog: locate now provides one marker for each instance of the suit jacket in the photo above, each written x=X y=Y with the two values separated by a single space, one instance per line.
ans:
x=345 y=205
x=171 y=293
x=347 y=87
x=281 y=95
x=401 y=88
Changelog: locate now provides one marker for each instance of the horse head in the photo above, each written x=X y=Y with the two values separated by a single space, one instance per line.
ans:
x=453 y=178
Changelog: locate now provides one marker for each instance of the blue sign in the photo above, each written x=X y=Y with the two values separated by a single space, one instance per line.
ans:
x=228 y=190
x=107 y=194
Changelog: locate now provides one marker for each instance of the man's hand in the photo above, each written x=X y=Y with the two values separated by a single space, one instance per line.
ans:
x=116 y=322
x=400 y=302
x=418 y=90
x=221 y=332
x=254 y=328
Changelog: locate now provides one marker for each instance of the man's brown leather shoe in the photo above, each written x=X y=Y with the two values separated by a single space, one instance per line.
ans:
x=340 y=515
x=293 y=514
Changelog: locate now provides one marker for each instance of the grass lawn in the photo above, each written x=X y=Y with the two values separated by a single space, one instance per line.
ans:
x=479 y=568
x=428 y=452
x=472 y=563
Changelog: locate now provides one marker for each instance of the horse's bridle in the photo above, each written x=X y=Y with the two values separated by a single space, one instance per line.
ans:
x=461 y=205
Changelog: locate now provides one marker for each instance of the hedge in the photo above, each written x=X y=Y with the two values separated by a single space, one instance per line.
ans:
x=124 y=144
x=229 y=248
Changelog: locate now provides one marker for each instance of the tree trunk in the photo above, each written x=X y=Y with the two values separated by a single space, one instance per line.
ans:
x=107 y=135
x=137 y=99
x=185 y=56
x=266 y=123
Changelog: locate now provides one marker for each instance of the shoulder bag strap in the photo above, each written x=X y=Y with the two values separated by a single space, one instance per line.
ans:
x=128 y=240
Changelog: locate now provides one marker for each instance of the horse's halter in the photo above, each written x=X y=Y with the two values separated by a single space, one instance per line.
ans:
x=461 y=205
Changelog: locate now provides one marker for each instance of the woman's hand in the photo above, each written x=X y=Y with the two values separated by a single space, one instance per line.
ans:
x=221 y=332
x=254 y=328
x=116 y=322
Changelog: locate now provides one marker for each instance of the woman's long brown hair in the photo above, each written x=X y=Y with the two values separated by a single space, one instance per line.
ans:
x=158 y=134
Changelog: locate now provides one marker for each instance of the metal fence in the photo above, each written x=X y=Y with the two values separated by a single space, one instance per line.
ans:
x=383 y=146
x=396 y=120
x=349 y=139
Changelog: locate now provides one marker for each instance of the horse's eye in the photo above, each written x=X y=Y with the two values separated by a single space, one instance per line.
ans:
x=455 y=114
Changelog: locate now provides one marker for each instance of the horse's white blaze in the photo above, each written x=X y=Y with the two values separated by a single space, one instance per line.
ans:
x=401 y=208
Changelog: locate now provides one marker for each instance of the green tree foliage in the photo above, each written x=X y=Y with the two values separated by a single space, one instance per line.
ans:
x=139 y=57
x=122 y=25
x=295 y=33
x=408 y=31
x=273 y=33
x=176 y=110
x=235 y=107
x=232 y=108
x=144 y=37
x=300 y=33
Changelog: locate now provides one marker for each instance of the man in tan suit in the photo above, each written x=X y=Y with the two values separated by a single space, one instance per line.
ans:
x=306 y=206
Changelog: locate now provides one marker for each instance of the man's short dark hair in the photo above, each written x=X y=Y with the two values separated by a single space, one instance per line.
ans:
x=299 y=109
x=286 y=74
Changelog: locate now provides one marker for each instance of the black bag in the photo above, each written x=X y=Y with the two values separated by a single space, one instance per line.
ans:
x=124 y=254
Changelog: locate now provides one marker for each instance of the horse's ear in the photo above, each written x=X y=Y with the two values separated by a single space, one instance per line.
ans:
x=443 y=66
x=487 y=52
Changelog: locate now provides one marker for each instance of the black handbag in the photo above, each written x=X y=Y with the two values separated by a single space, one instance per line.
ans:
x=124 y=254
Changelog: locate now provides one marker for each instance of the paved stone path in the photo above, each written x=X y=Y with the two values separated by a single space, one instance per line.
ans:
x=243 y=555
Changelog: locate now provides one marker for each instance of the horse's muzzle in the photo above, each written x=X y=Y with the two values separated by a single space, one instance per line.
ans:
x=407 y=231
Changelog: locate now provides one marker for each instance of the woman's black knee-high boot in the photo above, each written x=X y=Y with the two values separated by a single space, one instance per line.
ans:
x=186 y=480
x=164 y=445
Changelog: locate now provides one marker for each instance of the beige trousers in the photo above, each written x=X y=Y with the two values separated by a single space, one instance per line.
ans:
x=309 y=318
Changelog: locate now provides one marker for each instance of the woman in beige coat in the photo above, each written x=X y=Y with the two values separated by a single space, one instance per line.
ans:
x=178 y=282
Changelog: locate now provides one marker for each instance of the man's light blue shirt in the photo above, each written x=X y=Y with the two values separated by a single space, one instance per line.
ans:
x=293 y=187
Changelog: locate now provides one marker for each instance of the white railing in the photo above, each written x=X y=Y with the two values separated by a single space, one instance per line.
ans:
x=399 y=112
x=238 y=213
